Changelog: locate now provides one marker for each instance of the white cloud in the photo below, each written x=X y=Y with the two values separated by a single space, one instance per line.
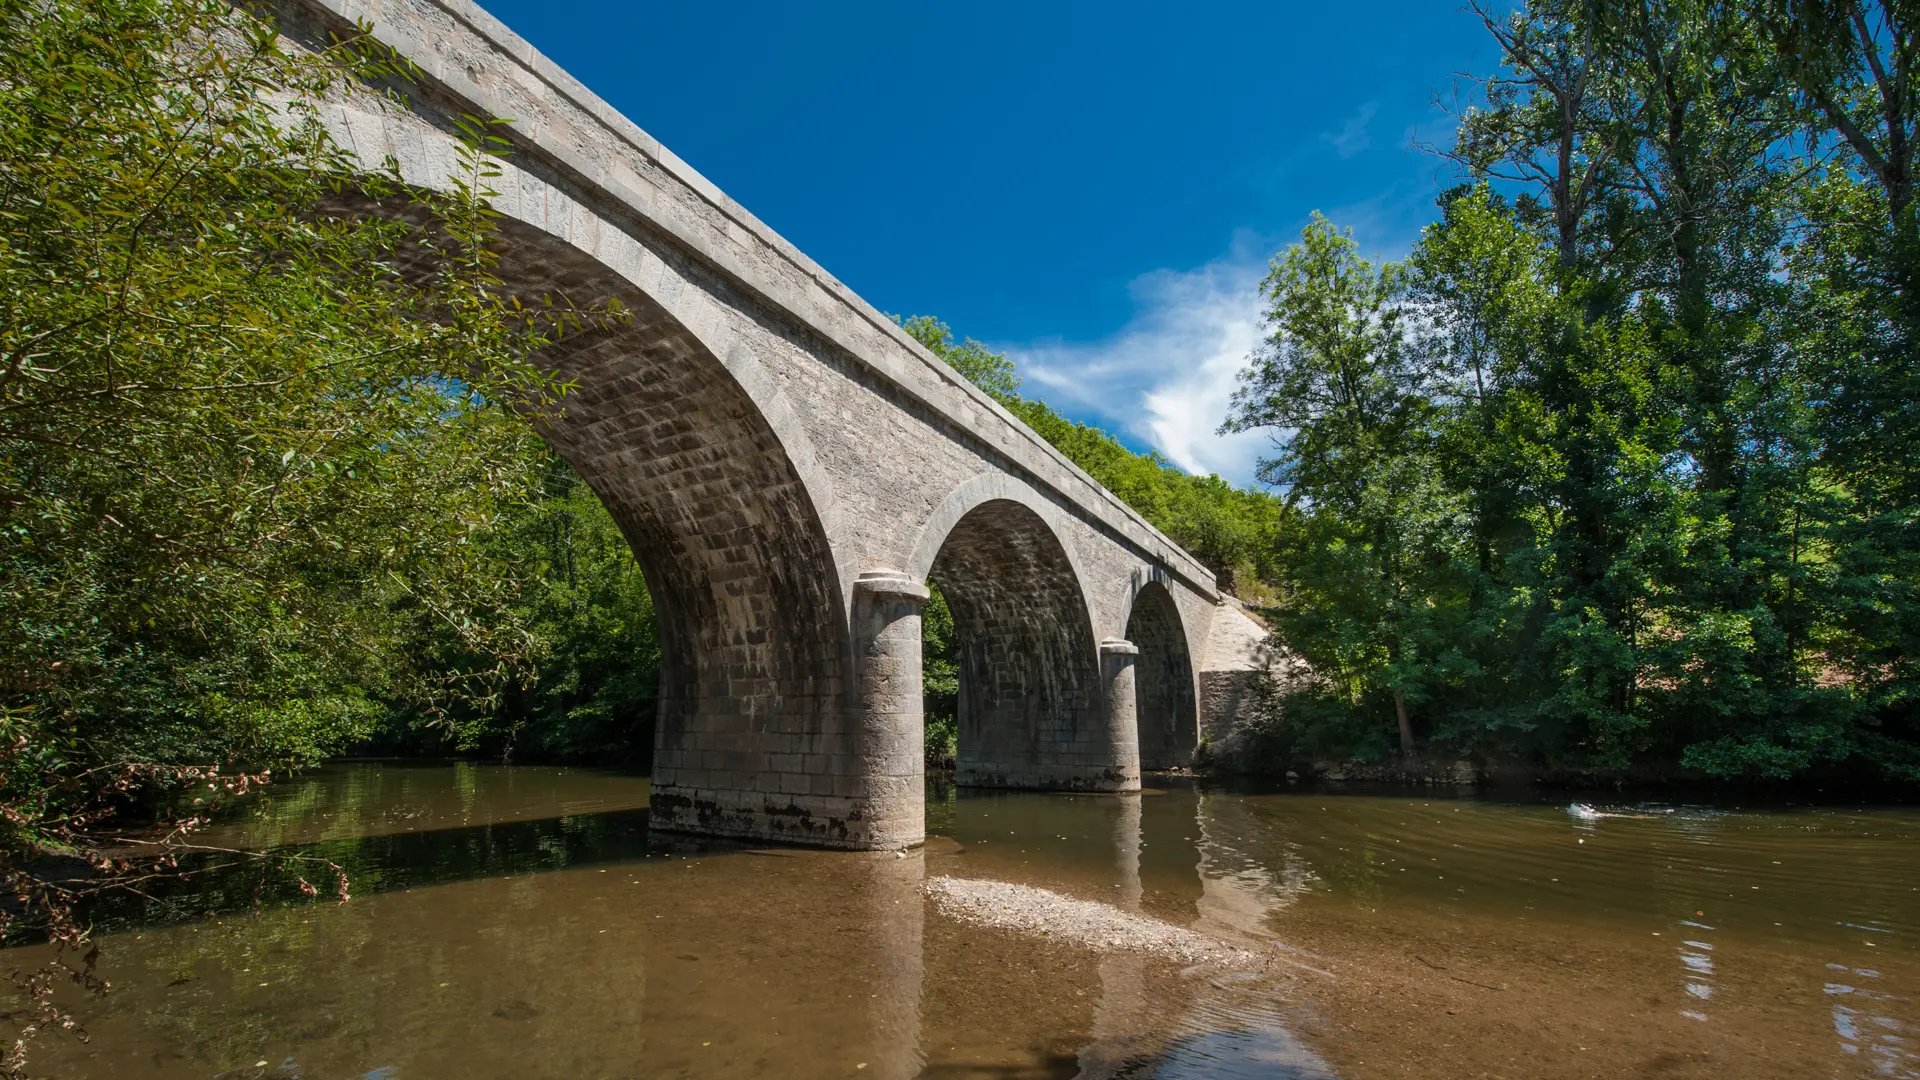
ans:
x=1352 y=138
x=1165 y=378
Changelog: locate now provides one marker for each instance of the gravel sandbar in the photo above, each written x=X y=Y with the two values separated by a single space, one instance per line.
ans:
x=1028 y=910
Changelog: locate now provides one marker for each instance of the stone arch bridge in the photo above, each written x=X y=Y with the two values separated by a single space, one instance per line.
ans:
x=791 y=470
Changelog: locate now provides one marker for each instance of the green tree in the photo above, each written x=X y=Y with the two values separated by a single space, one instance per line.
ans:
x=241 y=451
x=590 y=685
x=940 y=680
x=1713 y=574
x=988 y=370
x=1340 y=382
x=1856 y=268
x=1664 y=373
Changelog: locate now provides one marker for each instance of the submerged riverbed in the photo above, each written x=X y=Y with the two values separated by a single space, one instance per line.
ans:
x=519 y=922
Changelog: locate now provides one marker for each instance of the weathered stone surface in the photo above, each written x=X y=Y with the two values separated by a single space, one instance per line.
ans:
x=1239 y=657
x=790 y=468
x=889 y=742
x=1117 y=662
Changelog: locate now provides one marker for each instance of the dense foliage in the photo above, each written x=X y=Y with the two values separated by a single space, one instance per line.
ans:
x=589 y=687
x=232 y=464
x=1618 y=469
x=940 y=681
x=244 y=458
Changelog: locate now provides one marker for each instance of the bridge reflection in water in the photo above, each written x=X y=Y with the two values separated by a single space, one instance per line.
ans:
x=491 y=935
x=519 y=922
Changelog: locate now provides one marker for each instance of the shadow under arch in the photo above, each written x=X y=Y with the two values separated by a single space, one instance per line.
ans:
x=1163 y=680
x=1031 y=710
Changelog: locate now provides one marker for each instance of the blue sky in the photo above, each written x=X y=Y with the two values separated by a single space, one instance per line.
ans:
x=1095 y=189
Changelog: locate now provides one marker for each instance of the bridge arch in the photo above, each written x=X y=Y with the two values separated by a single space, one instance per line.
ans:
x=1165 y=703
x=702 y=460
x=552 y=241
x=1032 y=711
x=984 y=488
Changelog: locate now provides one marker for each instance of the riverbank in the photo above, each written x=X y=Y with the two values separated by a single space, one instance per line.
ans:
x=1511 y=778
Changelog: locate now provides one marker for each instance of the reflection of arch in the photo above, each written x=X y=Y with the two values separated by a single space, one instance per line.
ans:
x=702 y=460
x=1163 y=681
x=1030 y=710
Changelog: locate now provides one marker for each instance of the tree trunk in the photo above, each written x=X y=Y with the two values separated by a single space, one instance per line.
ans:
x=1406 y=725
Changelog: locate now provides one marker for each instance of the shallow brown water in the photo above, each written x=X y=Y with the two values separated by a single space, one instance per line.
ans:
x=516 y=922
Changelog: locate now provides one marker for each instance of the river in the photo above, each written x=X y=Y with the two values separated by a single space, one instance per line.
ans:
x=518 y=921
